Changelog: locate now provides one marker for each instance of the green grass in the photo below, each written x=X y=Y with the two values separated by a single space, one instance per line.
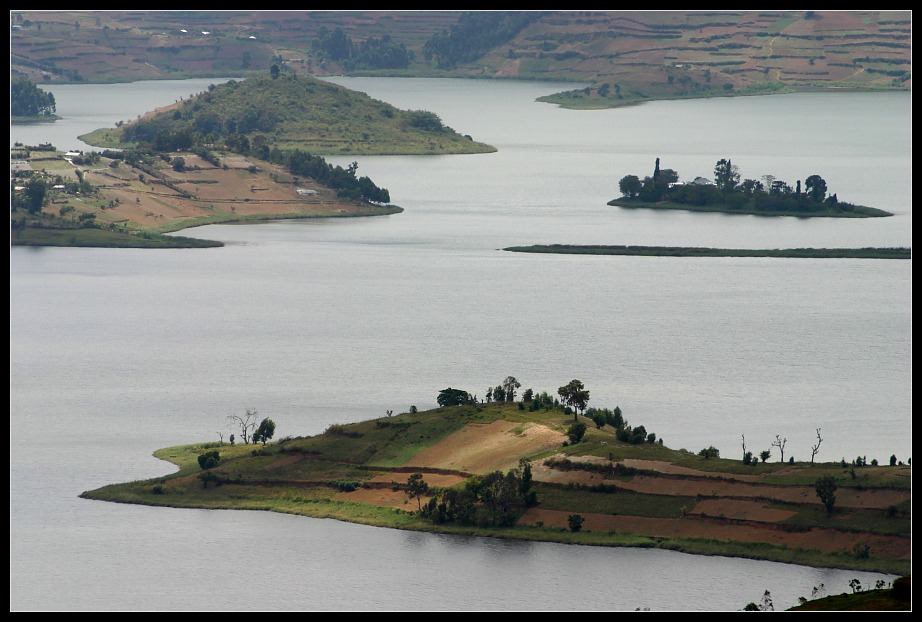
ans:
x=858 y=211
x=685 y=251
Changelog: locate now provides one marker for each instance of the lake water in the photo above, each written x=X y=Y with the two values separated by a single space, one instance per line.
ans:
x=115 y=353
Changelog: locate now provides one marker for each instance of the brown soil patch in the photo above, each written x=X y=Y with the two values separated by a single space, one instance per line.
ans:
x=206 y=192
x=380 y=493
x=487 y=448
x=695 y=527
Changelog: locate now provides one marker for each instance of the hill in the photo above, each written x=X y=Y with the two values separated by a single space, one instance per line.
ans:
x=534 y=470
x=626 y=56
x=285 y=111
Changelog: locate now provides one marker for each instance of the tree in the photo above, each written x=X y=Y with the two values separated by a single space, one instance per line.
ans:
x=574 y=394
x=765 y=454
x=816 y=448
x=575 y=521
x=815 y=187
x=209 y=459
x=510 y=384
x=780 y=443
x=630 y=186
x=709 y=452
x=826 y=491
x=726 y=176
x=576 y=431
x=246 y=423
x=416 y=488
x=265 y=431
x=274 y=71
x=453 y=397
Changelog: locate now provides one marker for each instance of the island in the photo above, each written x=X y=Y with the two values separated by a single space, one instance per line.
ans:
x=694 y=251
x=728 y=194
x=544 y=466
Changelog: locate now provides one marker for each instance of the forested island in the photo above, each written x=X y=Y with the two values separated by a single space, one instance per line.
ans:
x=546 y=466
x=728 y=194
x=29 y=103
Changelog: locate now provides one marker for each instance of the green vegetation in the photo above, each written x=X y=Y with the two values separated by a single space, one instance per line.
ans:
x=372 y=471
x=728 y=194
x=264 y=114
x=28 y=102
x=685 y=251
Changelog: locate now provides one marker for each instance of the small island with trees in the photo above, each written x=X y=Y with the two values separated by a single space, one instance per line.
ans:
x=547 y=466
x=29 y=103
x=728 y=194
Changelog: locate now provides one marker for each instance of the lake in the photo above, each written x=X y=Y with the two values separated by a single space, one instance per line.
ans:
x=116 y=353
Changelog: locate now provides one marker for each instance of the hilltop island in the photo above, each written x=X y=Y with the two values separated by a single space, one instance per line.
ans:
x=544 y=468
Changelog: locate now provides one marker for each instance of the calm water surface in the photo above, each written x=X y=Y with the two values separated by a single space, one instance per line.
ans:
x=115 y=353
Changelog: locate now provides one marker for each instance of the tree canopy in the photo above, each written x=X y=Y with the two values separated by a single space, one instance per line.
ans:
x=28 y=100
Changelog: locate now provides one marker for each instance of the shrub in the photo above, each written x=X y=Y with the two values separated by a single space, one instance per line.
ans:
x=209 y=459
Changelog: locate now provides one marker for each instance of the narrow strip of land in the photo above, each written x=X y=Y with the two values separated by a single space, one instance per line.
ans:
x=691 y=251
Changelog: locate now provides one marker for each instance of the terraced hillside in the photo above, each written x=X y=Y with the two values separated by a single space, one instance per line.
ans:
x=625 y=55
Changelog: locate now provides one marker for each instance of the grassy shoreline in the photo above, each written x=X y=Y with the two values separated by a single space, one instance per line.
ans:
x=859 y=211
x=690 y=251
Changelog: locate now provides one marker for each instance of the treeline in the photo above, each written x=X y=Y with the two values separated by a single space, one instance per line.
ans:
x=372 y=53
x=475 y=34
x=27 y=100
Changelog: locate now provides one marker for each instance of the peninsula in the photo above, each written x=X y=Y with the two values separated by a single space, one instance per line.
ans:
x=548 y=468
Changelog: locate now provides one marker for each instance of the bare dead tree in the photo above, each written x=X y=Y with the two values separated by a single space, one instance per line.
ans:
x=779 y=443
x=744 y=445
x=816 y=448
x=246 y=423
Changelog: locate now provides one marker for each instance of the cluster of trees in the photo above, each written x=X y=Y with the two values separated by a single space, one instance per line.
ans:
x=573 y=398
x=495 y=499
x=729 y=191
x=28 y=100
x=475 y=34
x=250 y=431
x=372 y=53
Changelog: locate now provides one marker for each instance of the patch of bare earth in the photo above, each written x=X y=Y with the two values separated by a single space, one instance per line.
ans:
x=481 y=449
x=227 y=192
x=476 y=448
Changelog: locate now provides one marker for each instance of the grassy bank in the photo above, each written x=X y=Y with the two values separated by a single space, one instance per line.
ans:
x=685 y=251
x=856 y=211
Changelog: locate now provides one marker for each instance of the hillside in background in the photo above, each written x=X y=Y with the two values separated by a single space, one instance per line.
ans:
x=626 y=56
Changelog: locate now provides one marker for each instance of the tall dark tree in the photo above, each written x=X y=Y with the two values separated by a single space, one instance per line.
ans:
x=630 y=186
x=510 y=384
x=575 y=395
x=826 y=491
x=815 y=187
